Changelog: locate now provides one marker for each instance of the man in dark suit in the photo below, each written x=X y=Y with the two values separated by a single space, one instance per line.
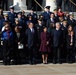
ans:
x=31 y=39
x=57 y=42
x=71 y=20
x=51 y=20
x=56 y=15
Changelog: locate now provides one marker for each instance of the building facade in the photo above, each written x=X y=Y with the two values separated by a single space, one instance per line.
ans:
x=27 y=4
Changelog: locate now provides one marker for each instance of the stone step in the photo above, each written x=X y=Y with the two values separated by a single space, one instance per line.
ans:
x=38 y=12
x=26 y=12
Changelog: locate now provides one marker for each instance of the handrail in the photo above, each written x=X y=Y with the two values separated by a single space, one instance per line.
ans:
x=43 y=7
x=39 y=4
x=72 y=2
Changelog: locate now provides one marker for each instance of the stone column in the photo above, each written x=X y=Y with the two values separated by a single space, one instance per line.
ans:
x=10 y=2
x=51 y=3
x=20 y=4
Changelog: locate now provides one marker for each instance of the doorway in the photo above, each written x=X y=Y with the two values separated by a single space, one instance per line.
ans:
x=32 y=3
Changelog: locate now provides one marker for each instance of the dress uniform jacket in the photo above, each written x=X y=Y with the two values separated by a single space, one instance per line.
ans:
x=46 y=15
x=39 y=29
x=12 y=17
x=34 y=16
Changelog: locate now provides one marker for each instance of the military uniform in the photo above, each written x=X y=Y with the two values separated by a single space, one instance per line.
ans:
x=34 y=16
x=12 y=15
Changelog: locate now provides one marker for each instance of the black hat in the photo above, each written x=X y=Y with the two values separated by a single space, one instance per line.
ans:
x=55 y=9
x=11 y=7
x=19 y=13
x=40 y=19
x=47 y=7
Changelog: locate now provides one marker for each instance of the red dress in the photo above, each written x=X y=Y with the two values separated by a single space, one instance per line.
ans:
x=60 y=14
x=44 y=38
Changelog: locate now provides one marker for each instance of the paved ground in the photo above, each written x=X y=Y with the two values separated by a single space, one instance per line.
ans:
x=39 y=69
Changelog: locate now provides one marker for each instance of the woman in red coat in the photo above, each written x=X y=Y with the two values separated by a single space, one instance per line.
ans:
x=45 y=45
x=60 y=13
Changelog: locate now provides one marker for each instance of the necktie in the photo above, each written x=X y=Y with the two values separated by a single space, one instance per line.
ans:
x=32 y=30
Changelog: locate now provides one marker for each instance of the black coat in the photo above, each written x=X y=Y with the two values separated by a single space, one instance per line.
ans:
x=75 y=35
x=21 y=39
x=69 y=41
x=39 y=29
x=56 y=18
x=71 y=22
x=57 y=38
x=49 y=21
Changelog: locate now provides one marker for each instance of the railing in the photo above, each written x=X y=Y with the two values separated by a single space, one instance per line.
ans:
x=39 y=4
x=69 y=5
x=73 y=5
x=72 y=2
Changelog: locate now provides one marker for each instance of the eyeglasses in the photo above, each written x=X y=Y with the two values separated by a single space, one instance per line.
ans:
x=7 y=27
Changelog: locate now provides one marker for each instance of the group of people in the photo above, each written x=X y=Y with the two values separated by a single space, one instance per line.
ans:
x=48 y=33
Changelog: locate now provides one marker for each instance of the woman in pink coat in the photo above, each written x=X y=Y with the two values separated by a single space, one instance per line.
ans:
x=45 y=45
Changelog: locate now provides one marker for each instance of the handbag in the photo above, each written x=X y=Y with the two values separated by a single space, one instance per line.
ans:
x=20 y=46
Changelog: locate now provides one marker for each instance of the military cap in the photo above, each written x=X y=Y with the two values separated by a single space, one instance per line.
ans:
x=47 y=7
x=11 y=7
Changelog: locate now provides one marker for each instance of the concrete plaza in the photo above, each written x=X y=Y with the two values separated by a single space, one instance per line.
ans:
x=39 y=69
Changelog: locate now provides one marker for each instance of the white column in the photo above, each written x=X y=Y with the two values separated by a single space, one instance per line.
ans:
x=51 y=3
x=20 y=4
x=10 y=2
